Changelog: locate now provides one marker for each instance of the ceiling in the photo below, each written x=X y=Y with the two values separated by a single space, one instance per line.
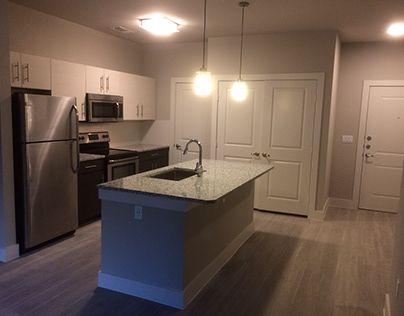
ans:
x=355 y=20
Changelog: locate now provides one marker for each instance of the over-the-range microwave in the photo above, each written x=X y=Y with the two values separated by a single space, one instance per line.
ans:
x=104 y=108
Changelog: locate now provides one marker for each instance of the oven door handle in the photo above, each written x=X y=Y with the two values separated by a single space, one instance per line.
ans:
x=123 y=160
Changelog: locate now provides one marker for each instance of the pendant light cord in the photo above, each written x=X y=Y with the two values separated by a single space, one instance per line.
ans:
x=204 y=38
x=242 y=4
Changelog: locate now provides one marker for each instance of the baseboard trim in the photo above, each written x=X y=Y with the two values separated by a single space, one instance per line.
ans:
x=203 y=278
x=386 y=307
x=341 y=203
x=175 y=297
x=319 y=215
x=9 y=253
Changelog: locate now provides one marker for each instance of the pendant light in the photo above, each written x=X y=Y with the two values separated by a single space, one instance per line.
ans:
x=203 y=79
x=239 y=89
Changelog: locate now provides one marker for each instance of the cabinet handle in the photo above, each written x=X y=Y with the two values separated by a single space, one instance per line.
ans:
x=137 y=110
x=25 y=78
x=15 y=74
x=90 y=167
x=102 y=83
x=141 y=112
x=107 y=84
x=83 y=111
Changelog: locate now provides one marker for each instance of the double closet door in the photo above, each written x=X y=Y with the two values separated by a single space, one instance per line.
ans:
x=275 y=125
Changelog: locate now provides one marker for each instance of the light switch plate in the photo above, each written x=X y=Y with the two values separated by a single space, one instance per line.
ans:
x=138 y=212
x=347 y=139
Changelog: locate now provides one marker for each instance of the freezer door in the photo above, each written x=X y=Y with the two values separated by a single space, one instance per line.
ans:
x=49 y=118
x=51 y=206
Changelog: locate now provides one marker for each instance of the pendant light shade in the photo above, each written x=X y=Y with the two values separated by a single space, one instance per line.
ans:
x=239 y=90
x=203 y=78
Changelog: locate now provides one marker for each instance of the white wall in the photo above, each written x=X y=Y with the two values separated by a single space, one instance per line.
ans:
x=8 y=248
x=359 y=62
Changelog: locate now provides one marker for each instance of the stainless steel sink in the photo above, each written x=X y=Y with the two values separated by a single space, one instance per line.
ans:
x=174 y=174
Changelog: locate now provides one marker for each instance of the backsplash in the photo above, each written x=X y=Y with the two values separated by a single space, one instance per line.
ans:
x=120 y=132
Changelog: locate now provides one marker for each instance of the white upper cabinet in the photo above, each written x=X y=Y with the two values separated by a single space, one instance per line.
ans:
x=69 y=79
x=102 y=81
x=139 y=97
x=29 y=71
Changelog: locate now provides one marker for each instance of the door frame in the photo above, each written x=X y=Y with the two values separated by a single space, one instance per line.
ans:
x=367 y=85
x=317 y=76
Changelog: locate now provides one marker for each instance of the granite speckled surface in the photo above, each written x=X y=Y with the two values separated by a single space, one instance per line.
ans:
x=88 y=157
x=140 y=147
x=220 y=178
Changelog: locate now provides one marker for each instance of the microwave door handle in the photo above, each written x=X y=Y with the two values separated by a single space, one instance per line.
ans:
x=117 y=109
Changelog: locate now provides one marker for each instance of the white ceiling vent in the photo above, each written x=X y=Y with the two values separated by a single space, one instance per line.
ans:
x=121 y=29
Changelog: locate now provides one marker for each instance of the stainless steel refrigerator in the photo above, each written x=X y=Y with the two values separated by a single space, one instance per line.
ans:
x=46 y=162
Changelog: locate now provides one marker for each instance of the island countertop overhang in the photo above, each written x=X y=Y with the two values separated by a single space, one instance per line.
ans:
x=220 y=178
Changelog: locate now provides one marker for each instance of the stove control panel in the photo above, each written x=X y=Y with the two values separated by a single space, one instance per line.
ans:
x=94 y=137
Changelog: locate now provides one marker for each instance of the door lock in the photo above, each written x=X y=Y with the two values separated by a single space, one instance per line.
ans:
x=369 y=138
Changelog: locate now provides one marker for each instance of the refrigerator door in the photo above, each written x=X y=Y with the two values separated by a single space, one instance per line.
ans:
x=51 y=196
x=49 y=118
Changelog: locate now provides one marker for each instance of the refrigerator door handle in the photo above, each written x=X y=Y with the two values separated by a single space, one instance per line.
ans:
x=76 y=159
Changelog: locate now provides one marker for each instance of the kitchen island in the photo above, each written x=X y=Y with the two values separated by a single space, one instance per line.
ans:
x=163 y=240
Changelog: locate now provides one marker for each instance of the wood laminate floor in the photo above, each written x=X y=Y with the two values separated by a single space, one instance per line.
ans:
x=290 y=266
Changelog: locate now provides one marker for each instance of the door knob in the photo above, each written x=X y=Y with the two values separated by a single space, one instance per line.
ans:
x=255 y=154
x=266 y=155
x=178 y=147
x=367 y=155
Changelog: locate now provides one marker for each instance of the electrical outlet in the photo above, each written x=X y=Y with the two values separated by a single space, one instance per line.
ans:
x=397 y=288
x=138 y=212
x=347 y=139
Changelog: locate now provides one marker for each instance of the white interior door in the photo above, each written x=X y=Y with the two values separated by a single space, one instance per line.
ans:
x=192 y=120
x=287 y=136
x=383 y=149
x=239 y=123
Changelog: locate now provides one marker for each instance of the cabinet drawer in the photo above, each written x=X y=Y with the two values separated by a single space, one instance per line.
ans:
x=154 y=154
x=92 y=166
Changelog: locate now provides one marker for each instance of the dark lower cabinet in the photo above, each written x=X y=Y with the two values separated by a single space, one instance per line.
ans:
x=153 y=159
x=91 y=173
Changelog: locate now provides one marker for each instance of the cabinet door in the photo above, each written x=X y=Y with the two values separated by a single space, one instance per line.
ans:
x=69 y=79
x=35 y=72
x=131 y=107
x=15 y=69
x=147 y=90
x=112 y=85
x=95 y=80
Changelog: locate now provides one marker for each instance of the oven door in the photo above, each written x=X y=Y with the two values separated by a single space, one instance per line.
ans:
x=121 y=168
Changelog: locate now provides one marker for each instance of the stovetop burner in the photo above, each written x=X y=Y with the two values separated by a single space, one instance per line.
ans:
x=98 y=143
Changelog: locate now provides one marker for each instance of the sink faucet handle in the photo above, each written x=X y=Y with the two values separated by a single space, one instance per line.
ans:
x=178 y=147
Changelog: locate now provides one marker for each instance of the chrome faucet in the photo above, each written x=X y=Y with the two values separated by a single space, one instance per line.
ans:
x=198 y=167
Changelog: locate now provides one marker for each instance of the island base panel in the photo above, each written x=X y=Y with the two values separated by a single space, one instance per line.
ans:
x=170 y=255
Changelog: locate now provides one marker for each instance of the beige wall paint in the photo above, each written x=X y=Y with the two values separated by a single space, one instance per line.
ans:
x=37 y=33
x=359 y=62
x=333 y=107
x=7 y=217
x=397 y=303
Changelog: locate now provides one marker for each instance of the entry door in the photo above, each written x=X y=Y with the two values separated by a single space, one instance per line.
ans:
x=239 y=123
x=287 y=141
x=383 y=150
x=192 y=120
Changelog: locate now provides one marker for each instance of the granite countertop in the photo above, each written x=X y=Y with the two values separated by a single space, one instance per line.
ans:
x=220 y=178
x=139 y=147
x=88 y=157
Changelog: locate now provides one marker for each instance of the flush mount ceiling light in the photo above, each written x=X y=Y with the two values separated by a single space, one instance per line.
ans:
x=239 y=89
x=203 y=78
x=161 y=26
x=396 y=29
